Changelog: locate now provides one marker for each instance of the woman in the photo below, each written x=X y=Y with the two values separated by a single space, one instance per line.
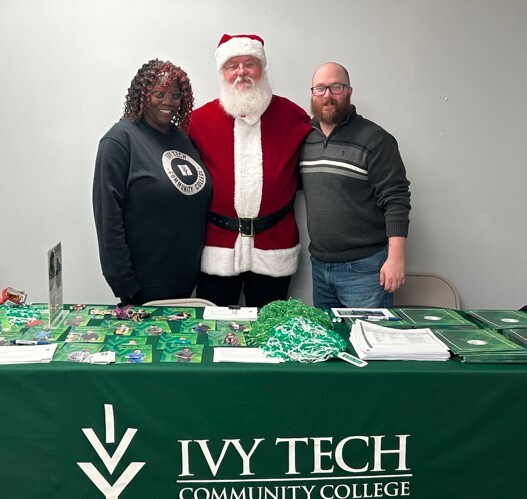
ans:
x=151 y=192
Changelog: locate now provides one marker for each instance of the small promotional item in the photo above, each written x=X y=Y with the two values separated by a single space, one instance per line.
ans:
x=11 y=296
x=347 y=357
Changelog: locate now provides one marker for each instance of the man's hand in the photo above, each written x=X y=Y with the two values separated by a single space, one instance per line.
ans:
x=392 y=272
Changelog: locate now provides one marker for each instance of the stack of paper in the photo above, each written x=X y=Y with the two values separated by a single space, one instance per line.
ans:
x=373 y=342
x=27 y=354
x=231 y=313
x=251 y=355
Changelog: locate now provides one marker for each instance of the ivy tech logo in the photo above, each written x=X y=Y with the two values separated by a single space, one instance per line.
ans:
x=110 y=462
x=184 y=172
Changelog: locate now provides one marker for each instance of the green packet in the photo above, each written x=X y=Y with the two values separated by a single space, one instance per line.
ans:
x=496 y=358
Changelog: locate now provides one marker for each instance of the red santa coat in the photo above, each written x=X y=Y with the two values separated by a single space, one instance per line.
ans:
x=253 y=165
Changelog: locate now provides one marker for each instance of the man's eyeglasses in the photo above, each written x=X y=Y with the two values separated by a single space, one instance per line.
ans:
x=249 y=65
x=173 y=95
x=335 y=88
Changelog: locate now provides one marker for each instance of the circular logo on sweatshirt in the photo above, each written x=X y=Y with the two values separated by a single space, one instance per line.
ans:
x=184 y=172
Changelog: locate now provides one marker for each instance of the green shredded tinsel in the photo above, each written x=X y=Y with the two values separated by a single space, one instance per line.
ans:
x=20 y=315
x=278 y=312
x=302 y=340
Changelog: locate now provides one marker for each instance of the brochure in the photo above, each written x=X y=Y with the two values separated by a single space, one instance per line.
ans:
x=183 y=354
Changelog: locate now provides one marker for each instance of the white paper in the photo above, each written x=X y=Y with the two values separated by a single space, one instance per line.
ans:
x=226 y=313
x=27 y=354
x=373 y=342
x=243 y=354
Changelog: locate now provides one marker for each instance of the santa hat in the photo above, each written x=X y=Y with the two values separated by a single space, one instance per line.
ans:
x=235 y=45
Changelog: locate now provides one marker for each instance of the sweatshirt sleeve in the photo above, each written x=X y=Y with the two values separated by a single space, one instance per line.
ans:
x=387 y=175
x=109 y=195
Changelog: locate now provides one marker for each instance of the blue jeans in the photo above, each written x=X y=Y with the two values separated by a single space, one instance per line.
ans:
x=350 y=284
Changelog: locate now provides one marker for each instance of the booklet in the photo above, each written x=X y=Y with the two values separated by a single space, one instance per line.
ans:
x=496 y=358
x=472 y=341
x=500 y=319
x=519 y=336
x=434 y=317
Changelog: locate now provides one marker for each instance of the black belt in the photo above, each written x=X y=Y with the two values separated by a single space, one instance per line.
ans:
x=249 y=226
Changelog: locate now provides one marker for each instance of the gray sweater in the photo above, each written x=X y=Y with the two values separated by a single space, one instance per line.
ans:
x=356 y=190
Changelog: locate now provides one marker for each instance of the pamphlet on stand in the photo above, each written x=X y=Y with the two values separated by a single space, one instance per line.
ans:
x=56 y=312
x=230 y=313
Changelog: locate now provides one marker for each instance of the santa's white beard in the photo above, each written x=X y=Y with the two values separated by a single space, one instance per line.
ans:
x=244 y=101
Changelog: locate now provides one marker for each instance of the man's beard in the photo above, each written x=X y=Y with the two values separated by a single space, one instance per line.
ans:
x=251 y=100
x=330 y=117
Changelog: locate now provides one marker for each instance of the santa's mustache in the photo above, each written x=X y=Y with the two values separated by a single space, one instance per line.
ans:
x=243 y=79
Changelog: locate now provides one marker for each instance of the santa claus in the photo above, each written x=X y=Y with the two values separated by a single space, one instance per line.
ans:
x=249 y=139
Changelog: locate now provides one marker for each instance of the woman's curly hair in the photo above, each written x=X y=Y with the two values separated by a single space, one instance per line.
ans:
x=142 y=86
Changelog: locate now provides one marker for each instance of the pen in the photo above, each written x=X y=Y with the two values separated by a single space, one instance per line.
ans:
x=29 y=342
x=376 y=318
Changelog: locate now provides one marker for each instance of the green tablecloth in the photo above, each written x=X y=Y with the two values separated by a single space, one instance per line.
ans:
x=424 y=430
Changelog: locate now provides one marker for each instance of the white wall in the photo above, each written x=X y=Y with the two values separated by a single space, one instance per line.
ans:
x=447 y=78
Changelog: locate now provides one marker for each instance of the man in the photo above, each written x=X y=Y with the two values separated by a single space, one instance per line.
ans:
x=357 y=200
x=249 y=139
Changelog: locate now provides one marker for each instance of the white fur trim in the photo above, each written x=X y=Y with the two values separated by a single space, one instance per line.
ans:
x=275 y=263
x=248 y=168
x=239 y=46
